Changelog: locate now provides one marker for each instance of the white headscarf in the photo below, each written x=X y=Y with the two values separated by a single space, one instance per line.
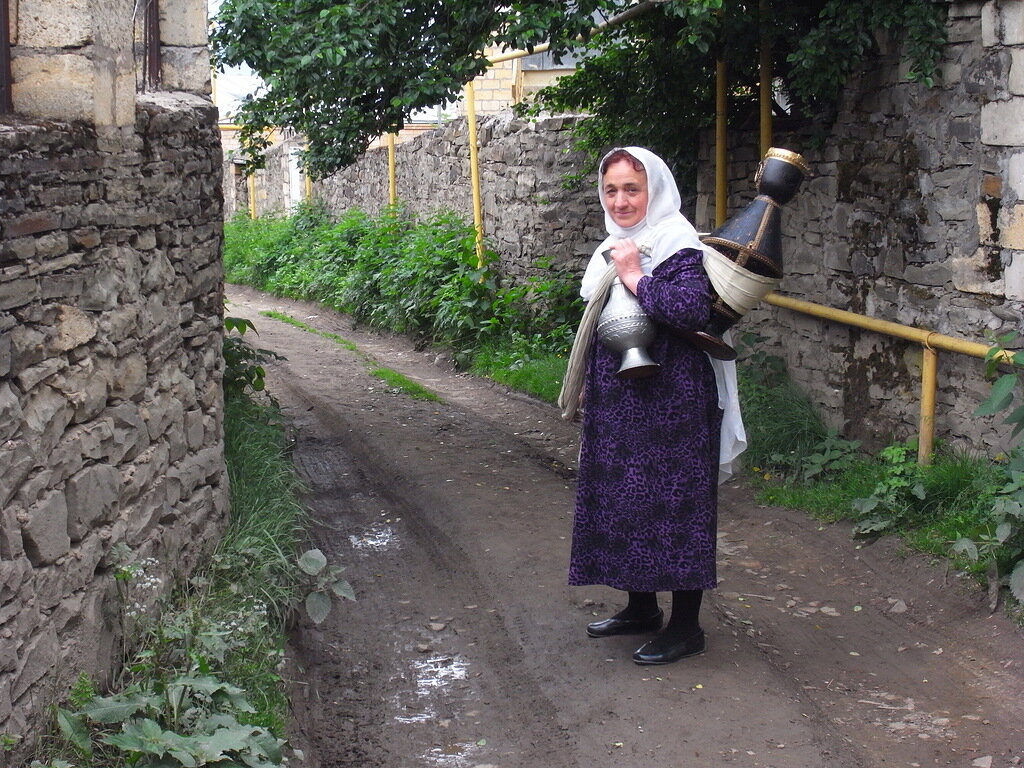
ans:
x=663 y=232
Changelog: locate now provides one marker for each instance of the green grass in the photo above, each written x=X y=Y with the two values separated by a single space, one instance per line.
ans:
x=349 y=345
x=829 y=499
x=397 y=381
x=539 y=375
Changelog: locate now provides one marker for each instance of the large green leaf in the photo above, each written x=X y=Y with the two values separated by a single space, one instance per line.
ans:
x=1016 y=581
x=318 y=606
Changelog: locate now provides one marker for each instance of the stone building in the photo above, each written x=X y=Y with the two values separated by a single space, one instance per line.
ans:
x=915 y=215
x=111 y=323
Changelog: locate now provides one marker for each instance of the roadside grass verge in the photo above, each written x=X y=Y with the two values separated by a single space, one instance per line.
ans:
x=203 y=665
x=424 y=279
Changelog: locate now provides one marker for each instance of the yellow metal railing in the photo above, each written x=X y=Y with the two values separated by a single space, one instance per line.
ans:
x=930 y=341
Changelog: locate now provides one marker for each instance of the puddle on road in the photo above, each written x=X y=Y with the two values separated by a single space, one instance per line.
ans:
x=378 y=539
x=433 y=677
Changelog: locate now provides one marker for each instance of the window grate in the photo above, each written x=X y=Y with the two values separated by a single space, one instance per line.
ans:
x=6 y=79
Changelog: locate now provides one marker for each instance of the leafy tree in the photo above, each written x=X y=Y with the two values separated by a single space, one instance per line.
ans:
x=343 y=73
x=653 y=83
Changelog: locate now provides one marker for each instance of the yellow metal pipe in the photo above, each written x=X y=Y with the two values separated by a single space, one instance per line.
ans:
x=392 y=177
x=474 y=173
x=251 y=179
x=765 y=76
x=309 y=186
x=929 y=340
x=926 y=429
x=721 y=154
x=921 y=336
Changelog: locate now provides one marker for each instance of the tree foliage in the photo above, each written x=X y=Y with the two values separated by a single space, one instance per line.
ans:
x=653 y=83
x=344 y=72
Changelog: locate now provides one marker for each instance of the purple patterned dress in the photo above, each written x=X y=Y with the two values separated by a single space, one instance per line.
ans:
x=646 y=498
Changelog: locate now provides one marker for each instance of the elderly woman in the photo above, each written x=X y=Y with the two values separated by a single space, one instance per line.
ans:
x=652 y=449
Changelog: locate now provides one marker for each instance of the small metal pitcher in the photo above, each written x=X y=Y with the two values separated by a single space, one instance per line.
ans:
x=624 y=327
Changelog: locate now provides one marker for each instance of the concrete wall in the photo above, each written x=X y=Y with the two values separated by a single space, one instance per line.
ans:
x=111 y=303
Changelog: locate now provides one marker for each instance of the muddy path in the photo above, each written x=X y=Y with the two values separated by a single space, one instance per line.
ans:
x=466 y=649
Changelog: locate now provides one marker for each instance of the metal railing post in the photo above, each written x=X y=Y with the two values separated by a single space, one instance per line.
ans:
x=930 y=340
x=926 y=429
x=765 y=76
x=474 y=173
x=392 y=175
x=721 y=150
x=251 y=184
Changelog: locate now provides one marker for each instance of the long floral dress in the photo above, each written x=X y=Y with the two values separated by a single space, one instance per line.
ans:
x=646 y=500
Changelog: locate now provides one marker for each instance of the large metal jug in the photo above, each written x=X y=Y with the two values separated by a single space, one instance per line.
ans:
x=625 y=328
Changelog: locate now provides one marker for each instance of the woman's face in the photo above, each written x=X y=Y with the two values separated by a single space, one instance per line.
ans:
x=625 y=193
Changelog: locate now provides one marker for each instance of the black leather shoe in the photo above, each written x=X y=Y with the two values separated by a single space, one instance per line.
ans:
x=615 y=626
x=665 y=650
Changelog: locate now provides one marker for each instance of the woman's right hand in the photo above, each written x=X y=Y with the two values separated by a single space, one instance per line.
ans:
x=626 y=257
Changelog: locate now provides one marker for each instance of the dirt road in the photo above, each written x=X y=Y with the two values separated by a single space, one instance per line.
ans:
x=466 y=649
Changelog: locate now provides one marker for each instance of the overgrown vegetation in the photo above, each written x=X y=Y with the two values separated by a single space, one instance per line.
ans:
x=422 y=278
x=201 y=680
x=321 y=80
x=963 y=506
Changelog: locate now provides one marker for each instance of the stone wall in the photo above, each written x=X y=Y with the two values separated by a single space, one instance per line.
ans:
x=111 y=306
x=528 y=212
x=915 y=215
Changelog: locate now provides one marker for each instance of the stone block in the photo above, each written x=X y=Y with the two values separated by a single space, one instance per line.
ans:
x=1001 y=123
x=128 y=378
x=130 y=435
x=40 y=25
x=45 y=532
x=936 y=274
x=18 y=293
x=1015 y=82
x=40 y=656
x=1011 y=22
x=16 y=463
x=971 y=274
x=73 y=328
x=187 y=69
x=31 y=224
x=1015 y=175
x=10 y=412
x=1013 y=276
x=46 y=414
x=91 y=495
x=1011 y=226
x=72 y=86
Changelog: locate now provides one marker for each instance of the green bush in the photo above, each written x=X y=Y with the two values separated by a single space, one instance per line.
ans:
x=419 y=277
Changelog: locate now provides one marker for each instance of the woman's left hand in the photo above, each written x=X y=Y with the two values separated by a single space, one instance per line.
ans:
x=626 y=257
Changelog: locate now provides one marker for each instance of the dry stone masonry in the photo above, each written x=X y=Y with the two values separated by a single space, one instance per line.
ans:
x=529 y=213
x=111 y=323
x=915 y=215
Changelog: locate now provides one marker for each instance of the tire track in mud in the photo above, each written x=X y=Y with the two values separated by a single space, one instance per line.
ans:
x=453 y=519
